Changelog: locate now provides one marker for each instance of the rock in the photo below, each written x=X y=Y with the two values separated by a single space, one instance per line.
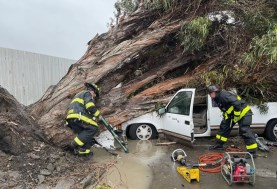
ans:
x=41 y=178
x=12 y=183
x=14 y=175
x=54 y=156
x=43 y=186
x=2 y=177
x=34 y=156
x=45 y=172
x=50 y=167
x=64 y=184
x=18 y=187
x=58 y=168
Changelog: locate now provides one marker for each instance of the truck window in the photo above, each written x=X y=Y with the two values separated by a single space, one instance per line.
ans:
x=180 y=104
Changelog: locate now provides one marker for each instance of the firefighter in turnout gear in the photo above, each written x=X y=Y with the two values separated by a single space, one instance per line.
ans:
x=82 y=120
x=235 y=110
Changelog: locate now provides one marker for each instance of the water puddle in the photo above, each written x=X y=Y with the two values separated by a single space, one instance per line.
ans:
x=132 y=170
x=266 y=173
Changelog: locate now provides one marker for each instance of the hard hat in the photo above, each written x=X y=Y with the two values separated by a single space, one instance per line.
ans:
x=213 y=88
x=93 y=87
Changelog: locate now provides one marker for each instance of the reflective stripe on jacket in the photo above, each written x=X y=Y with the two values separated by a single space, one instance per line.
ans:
x=231 y=105
x=82 y=107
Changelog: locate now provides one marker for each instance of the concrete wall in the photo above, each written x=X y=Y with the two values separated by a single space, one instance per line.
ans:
x=28 y=75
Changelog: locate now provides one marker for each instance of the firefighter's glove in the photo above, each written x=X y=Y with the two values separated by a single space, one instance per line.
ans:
x=100 y=118
x=236 y=116
x=225 y=115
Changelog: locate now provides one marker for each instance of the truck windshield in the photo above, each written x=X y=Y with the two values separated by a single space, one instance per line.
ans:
x=180 y=104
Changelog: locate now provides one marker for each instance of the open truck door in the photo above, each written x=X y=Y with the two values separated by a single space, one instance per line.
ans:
x=176 y=117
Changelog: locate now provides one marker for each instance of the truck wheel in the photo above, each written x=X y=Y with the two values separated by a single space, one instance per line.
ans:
x=271 y=130
x=142 y=132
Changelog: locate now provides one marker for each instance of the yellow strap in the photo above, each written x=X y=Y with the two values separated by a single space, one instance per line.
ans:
x=96 y=114
x=244 y=111
x=89 y=104
x=78 y=141
x=252 y=146
x=70 y=111
x=225 y=115
x=230 y=110
x=79 y=100
x=85 y=152
x=83 y=118
x=222 y=138
x=237 y=113
x=238 y=97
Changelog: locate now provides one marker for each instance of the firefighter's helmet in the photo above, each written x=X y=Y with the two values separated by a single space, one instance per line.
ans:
x=213 y=88
x=93 y=87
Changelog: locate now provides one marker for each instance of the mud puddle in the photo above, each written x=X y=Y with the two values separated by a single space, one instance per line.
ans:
x=132 y=170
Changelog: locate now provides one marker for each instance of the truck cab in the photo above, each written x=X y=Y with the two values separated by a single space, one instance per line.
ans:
x=188 y=116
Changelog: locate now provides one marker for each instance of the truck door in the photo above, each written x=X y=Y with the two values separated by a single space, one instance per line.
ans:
x=177 y=119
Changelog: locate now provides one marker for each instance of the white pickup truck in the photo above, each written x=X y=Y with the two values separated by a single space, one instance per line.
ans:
x=188 y=117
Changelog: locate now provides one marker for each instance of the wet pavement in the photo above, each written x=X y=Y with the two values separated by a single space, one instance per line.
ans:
x=148 y=166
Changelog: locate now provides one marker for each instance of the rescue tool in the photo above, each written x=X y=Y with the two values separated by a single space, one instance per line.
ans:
x=190 y=173
x=121 y=141
x=263 y=144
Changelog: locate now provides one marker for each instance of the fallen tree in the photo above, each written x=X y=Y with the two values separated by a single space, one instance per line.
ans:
x=157 y=47
x=154 y=48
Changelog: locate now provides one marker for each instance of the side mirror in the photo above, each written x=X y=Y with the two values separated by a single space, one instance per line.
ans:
x=161 y=111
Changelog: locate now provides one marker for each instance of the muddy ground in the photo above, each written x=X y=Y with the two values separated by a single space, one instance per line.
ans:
x=147 y=166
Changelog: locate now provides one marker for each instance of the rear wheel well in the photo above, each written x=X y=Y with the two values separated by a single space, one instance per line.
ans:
x=269 y=129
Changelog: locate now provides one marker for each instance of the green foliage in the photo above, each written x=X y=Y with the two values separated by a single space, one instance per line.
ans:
x=193 y=35
x=126 y=6
x=255 y=15
x=263 y=49
x=212 y=77
x=263 y=108
x=223 y=75
x=257 y=22
x=163 y=5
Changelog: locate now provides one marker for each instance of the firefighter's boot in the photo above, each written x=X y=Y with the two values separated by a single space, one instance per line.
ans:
x=86 y=153
x=253 y=153
x=72 y=147
x=217 y=146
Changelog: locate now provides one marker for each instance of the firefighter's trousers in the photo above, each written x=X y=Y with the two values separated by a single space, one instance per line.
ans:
x=244 y=131
x=85 y=134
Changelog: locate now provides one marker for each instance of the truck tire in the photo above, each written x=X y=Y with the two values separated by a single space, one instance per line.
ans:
x=271 y=130
x=142 y=132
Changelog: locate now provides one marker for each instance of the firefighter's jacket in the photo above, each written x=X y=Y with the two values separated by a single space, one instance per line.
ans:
x=82 y=107
x=231 y=105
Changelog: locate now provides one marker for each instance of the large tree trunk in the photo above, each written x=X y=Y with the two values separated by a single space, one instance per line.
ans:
x=139 y=63
x=130 y=55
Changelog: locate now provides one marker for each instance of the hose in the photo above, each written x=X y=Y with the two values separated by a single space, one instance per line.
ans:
x=233 y=149
x=213 y=160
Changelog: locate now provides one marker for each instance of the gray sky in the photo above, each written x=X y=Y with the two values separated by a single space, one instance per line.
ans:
x=59 y=28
